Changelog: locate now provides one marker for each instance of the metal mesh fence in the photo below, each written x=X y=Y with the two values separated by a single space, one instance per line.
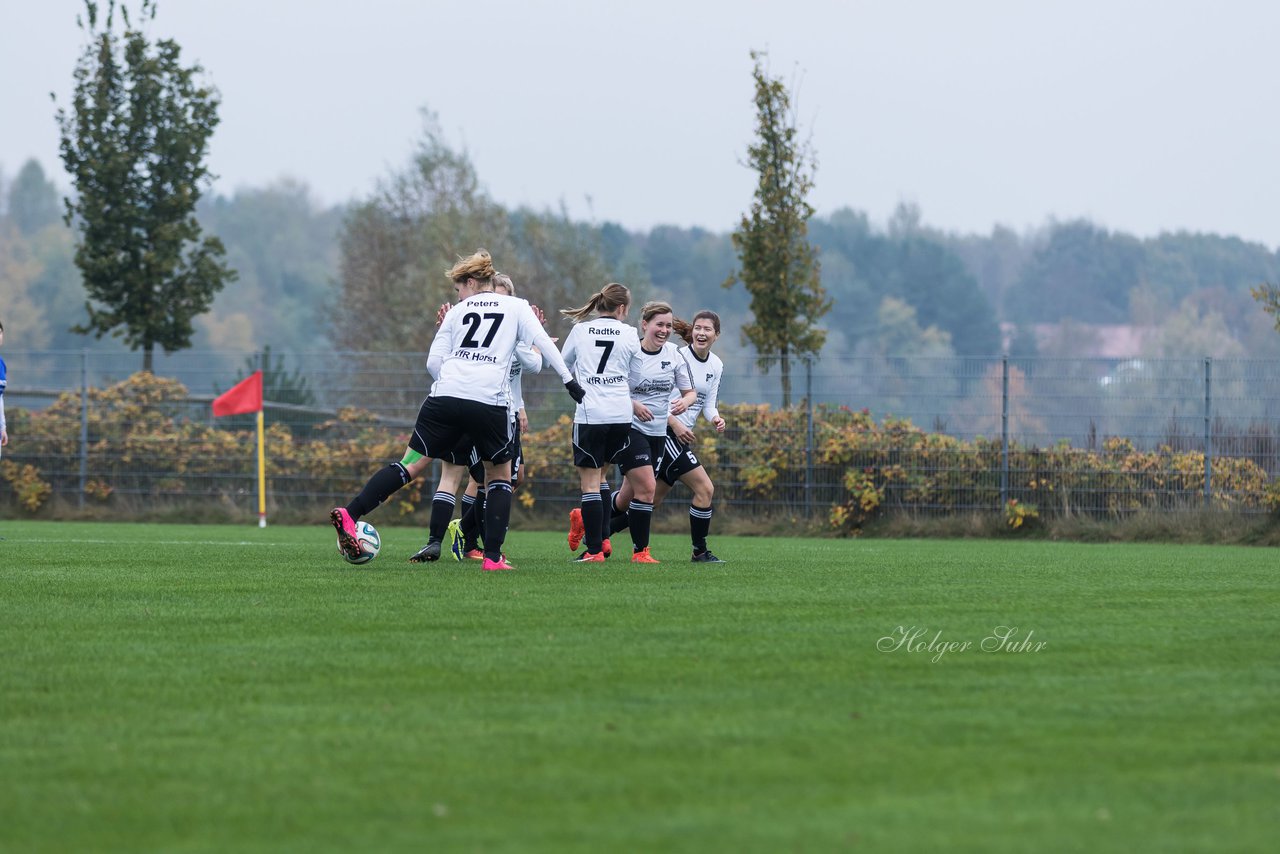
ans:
x=1092 y=436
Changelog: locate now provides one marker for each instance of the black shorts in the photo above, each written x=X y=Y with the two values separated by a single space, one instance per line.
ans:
x=677 y=460
x=443 y=422
x=643 y=450
x=517 y=459
x=464 y=454
x=598 y=445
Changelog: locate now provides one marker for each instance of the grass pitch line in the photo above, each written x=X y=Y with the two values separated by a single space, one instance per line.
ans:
x=126 y=542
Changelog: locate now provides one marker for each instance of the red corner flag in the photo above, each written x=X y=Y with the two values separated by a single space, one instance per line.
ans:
x=244 y=396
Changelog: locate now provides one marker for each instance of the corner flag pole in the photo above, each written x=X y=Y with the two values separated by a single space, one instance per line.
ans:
x=262 y=474
x=241 y=399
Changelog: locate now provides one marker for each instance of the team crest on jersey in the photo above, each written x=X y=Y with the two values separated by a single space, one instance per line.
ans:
x=710 y=377
x=665 y=365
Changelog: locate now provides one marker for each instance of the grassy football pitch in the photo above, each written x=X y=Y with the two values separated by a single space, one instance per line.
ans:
x=216 y=688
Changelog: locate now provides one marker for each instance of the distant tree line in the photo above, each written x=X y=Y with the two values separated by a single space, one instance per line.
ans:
x=309 y=278
x=136 y=251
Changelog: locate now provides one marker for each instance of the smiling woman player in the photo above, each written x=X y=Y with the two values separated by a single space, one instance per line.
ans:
x=679 y=463
x=660 y=386
x=470 y=359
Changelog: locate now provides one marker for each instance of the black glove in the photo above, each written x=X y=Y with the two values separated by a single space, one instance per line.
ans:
x=576 y=391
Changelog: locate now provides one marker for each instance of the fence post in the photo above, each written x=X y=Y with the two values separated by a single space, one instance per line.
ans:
x=84 y=425
x=808 y=441
x=1004 y=431
x=1208 y=431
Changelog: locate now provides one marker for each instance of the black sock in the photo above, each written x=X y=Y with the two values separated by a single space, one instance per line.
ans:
x=641 y=515
x=592 y=521
x=606 y=499
x=381 y=486
x=472 y=520
x=699 y=526
x=481 y=504
x=441 y=512
x=467 y=518
x=619 y=523
x=497 y=514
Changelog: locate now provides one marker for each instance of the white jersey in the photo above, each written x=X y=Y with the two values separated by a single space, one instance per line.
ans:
x=473 y=349
x=599 y=352
x=654 y=376
x=525 y=359
x=705 y=374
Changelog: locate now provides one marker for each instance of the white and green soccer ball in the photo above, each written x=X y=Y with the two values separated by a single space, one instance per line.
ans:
x=369 y=541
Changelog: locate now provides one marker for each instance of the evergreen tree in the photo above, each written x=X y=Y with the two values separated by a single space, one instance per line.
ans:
x=778 y=266
x=33 y=200
x=135 y=142
x=1082 y=271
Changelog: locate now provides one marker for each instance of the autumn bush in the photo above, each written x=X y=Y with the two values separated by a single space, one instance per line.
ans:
x=147 y=441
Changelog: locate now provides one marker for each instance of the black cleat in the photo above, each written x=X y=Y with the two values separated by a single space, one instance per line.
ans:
x=705 y=557
x=428 y=553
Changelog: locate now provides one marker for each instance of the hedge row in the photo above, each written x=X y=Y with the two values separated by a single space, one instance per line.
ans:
x=143 y=441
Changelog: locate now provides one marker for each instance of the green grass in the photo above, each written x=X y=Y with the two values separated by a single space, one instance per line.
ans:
x=217 y=688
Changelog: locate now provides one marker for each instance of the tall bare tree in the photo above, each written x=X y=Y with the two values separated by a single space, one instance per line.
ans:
x=397 y=245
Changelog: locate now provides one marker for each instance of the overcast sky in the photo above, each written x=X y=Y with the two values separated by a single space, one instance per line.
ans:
x=1141 y=116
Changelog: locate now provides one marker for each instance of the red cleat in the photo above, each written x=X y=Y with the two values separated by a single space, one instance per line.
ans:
x=643 y=556
x=608 y=549
x=589 y=557
x=576 y=529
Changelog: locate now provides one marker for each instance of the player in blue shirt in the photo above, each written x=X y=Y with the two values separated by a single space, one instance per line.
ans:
x=4 y=380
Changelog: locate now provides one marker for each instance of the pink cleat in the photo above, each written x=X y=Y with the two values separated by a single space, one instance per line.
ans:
x=496 y=565
x=346 y=528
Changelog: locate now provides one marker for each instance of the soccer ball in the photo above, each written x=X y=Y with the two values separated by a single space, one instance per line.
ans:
x=370 y=541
